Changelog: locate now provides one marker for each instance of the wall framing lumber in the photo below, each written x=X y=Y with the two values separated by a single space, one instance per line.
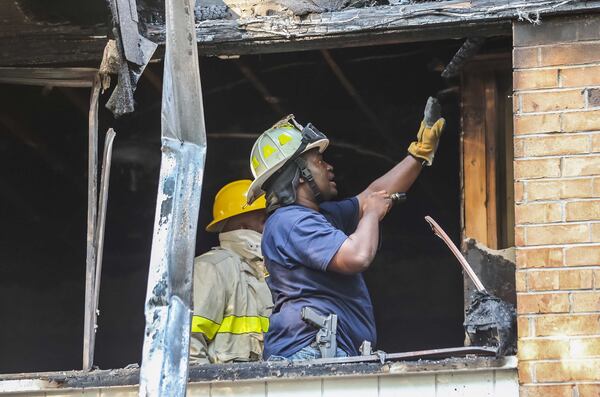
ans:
x=28 y=44
x=486 y=161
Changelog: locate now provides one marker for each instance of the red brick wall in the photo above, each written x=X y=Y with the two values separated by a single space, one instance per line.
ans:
x=557 y=192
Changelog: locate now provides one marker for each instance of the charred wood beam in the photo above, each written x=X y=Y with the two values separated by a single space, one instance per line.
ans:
x=269 y=98
x=233 y=84
x=357 y=98
x=32 y=140
x=154 y=79
x=360 y=26
x=52 y=45
x=52 y=77
x=89 y=329
x=14 y=197
x=346 y=28
x=466 y=51
x=76 y=100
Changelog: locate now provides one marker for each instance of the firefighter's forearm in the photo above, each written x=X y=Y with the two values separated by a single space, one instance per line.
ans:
x=400 y=178
x=358 y=251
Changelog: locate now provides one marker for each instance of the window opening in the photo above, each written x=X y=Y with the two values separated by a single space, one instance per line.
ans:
x=416 y=287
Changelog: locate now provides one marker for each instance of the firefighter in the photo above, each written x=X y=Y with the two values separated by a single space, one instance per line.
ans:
x=315 y=249
x=232 y=301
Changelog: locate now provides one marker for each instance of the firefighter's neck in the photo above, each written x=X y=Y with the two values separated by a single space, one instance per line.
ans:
x=305 y=196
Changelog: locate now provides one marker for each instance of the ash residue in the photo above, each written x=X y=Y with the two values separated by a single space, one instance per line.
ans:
x=490 y=321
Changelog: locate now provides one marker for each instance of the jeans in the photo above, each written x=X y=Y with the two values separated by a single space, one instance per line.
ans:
x=307 y=353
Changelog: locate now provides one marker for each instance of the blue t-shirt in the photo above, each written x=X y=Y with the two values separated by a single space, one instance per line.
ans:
x=298 y=243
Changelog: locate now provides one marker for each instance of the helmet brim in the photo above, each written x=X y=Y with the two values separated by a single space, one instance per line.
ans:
x=255 y=189
x=217 y=225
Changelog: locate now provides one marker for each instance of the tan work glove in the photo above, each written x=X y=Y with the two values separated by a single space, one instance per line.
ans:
x=429 y=134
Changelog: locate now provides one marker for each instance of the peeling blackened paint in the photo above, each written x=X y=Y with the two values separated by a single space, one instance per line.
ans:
x=166 y=206
x=168 y=299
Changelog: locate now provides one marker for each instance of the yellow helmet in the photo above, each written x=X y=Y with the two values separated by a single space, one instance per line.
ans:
x=231 y=201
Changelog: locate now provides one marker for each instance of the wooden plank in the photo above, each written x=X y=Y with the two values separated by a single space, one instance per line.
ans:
x=89 y=331
x=43 y=44
x=487 y=153
x=491 y=137
x=474 y=163
x=509 y=194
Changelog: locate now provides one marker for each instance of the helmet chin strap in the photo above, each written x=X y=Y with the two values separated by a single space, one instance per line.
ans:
x=308 y=177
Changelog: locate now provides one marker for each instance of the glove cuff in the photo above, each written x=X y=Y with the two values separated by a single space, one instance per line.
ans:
x=426 y=156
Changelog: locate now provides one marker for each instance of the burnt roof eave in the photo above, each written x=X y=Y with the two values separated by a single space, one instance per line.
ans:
x=380 y=24
x=349 y=27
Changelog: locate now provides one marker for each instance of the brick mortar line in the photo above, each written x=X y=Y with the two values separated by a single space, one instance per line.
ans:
x=558 y=360
x=542 y=156
x=560 y=156
x=590 y=221
x=551 y=291
x=556 y=67
x=533 y=293
x=565 y=134
x=560 y=338
x=561 y=111
x=561 y=269
x=540 y=315
x=586 y=97
x=559 y=66
x=562 y=43
x=548 y=339
x=559 y=201
x=558 y=112
x=520 y=103
x=570 y=298
x=543 y=179
x=556 y=223
x=569 y=245
x=555 y=89
x=571 y=178
x=581 y=291
x=558 y=133
x=558 y=88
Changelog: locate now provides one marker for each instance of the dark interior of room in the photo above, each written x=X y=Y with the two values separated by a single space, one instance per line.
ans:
x=415 y=283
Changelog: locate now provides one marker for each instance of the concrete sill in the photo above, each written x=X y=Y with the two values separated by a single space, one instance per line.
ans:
x=258 y=371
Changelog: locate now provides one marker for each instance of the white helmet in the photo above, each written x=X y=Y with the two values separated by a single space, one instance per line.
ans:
x=277 y=146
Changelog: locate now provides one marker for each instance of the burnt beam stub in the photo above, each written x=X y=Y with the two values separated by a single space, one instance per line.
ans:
x=495 y=268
